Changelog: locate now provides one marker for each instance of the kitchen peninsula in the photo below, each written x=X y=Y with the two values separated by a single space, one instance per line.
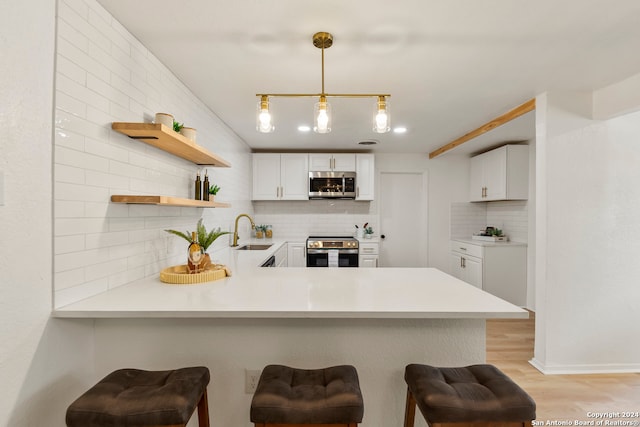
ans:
x=378 y=320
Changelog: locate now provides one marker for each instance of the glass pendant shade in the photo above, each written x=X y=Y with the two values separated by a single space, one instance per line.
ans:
x=381 y=116
x=322 y=116
x=264 y=120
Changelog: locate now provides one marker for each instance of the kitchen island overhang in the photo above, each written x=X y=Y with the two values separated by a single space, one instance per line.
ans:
x=382 y=293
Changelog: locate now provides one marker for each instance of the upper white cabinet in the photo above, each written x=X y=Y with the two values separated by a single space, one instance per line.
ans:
x=500 y=174
x=319 y=162
x=365 y=176
x=280 y=176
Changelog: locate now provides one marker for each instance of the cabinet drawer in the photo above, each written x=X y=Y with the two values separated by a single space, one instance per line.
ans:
x=467 y=248
x=368 y=248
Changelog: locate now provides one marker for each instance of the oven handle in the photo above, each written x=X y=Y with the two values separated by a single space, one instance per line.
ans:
x=326 y=251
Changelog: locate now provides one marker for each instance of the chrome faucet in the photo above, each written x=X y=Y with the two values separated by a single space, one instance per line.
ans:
x=235 y=230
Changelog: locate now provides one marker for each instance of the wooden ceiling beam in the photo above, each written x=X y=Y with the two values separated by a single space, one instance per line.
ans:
x=498 y=121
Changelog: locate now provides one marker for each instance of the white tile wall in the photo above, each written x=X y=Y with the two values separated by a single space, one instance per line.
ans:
x=298 y=219
x=103 y=74
x=510 y=216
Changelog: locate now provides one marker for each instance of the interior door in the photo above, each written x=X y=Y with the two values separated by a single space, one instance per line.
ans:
x=403 y=219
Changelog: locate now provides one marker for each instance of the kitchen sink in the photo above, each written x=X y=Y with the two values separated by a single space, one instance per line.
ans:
x=256 y=247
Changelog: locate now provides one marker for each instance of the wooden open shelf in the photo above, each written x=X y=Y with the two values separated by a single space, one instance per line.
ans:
x=166 y=139
x=167 y=201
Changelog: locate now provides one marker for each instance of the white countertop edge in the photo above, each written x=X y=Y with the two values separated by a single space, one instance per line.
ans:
x=80 y=314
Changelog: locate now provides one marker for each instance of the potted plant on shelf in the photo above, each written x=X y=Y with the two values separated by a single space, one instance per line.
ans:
x=213 y=190
x=204 y=239
x=177 y=127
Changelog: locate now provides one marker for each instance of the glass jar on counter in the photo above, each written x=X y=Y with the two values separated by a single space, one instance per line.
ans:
x=268 y=232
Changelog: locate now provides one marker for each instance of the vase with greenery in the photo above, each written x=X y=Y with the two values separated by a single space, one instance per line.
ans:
x=177 y=127
x=204 y=238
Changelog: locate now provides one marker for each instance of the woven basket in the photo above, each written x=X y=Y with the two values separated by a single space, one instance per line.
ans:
x=179 y=274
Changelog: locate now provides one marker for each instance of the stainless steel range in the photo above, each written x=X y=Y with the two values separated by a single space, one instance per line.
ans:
x=332 y=251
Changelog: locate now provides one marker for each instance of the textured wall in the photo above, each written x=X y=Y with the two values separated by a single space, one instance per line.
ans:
x=44 y=363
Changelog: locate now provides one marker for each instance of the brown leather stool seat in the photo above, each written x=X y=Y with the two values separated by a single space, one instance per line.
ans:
x=290 y=396
x=137 y=398
x=477 y=394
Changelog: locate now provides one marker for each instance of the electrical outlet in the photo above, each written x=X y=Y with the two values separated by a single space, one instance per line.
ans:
x=251 y=378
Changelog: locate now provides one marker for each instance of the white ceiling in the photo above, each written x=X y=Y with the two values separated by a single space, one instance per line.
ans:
x=450 y=65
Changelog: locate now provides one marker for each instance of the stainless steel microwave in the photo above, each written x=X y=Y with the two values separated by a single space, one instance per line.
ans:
x=332 y=185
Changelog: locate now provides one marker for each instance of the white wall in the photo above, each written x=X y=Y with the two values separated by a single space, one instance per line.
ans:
x=44 y=363
x=587 y=235
x=104 y=74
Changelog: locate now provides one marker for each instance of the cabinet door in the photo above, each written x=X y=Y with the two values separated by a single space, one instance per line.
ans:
x=266 y=176
x=494 y=172
x=282 y=256
x=296 y=257
x=344 y=162
x=472 y=271
x=368 y=261
x=476 y=181
x=294 y=177
x=455 y=264
x=320 y=162
x=365 y=176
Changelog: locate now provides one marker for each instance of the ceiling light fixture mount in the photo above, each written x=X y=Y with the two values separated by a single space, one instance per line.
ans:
x=322 y=109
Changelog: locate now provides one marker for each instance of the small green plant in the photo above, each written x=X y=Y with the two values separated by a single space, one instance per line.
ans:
x=496 y=232
x=204 y=239
x=177 y=126
x=262 y=228
x=368 y=230
x=214 y=189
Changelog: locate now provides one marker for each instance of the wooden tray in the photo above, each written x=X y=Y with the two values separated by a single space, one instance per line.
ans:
x=179 y=274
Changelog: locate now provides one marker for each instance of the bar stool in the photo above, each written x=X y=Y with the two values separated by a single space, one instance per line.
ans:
x=291 y=397
x=137 y=398
x=477 y=395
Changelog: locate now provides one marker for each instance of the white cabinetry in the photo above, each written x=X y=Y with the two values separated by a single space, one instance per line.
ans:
x=466 y=263
x=297 y=255
x=500 y=174
x=368 y=255
x=282 y=256
x=365 y=176
x=332 y=162
x=499 y=268
x=280 y=176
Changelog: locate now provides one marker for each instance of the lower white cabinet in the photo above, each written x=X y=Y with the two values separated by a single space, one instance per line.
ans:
x=282 y=256
x=500 y=268
x=297 y=255
x=368 y=255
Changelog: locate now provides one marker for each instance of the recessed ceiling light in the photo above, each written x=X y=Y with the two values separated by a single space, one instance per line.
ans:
x=304 y=128
x=400 y=130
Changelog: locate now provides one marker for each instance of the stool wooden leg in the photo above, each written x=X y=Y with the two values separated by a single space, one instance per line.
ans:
x=409 y=410
x=203 y=410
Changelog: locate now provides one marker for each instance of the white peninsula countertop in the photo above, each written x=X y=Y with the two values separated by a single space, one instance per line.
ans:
x=254 y=292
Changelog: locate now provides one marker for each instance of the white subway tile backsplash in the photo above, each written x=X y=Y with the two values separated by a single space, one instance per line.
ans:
x=105 y=240
x=71 y=226
x=510 y=216
x=81 y=92
x=69 y=209
x=71 y=70
x=69 y=278
x=67 y=244
x=103 y=75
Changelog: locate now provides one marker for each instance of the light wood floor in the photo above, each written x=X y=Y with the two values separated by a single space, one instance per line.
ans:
x=558 y=397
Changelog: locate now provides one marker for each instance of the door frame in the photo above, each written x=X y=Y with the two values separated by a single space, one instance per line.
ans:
x=423 y=226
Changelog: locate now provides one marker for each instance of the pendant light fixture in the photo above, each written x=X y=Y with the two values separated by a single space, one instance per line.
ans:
x=322 y=109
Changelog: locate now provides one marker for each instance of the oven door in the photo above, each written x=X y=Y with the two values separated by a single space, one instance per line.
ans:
x=320 y=258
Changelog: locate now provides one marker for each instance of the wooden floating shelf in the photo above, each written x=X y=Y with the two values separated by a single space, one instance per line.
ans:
x=164 y=138
x=167 y=201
